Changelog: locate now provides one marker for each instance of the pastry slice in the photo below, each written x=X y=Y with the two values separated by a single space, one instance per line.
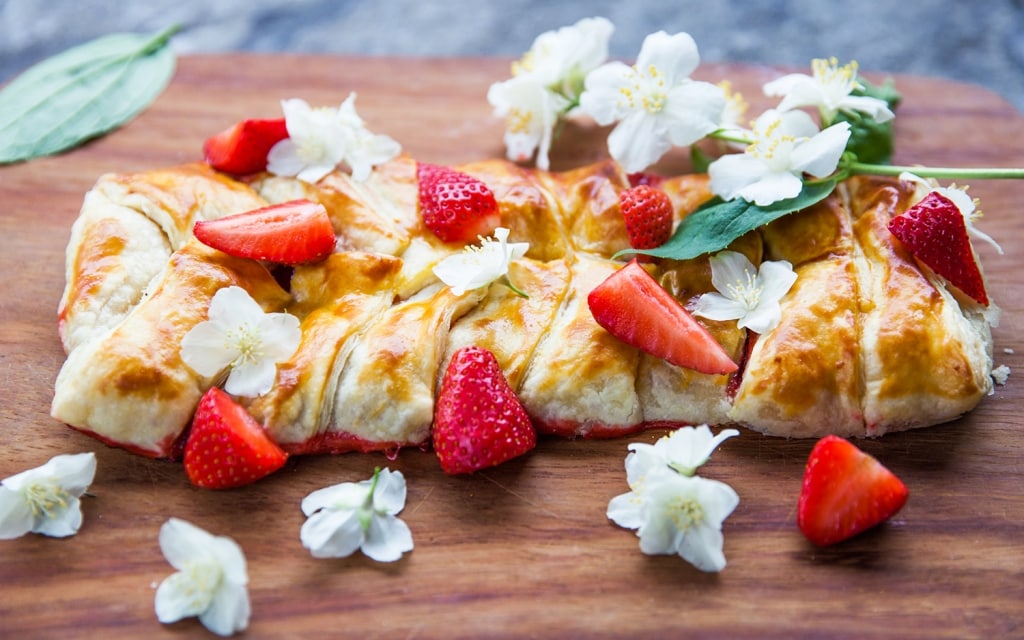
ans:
x=113 y=255
x=379 y=215
x=385 y=393
x=175 y=198
x=508 y=325
x=126 y=230
x=926 y=359
x=527 y=207
x=336 y=300
x=588 y=200
x=806 y=373
x=129 y=386
x=581 y=380
x=674 y=395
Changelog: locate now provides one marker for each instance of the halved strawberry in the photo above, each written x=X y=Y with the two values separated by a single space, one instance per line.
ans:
x=648 y=215
x=934 y=231
x=478 y=421
x=226 y=446
x=633 y=307
x=455 y=206
x=291 y=232
x=242 y=148
x=845 y=491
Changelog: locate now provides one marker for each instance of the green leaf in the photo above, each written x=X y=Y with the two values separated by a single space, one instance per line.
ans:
x=871 y=141
x=717 y=223
x=83 y=92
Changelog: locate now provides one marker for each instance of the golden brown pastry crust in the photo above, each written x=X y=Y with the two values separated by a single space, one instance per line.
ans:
x=868 y=342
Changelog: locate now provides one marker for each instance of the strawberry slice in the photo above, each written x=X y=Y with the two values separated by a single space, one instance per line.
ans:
x=455 y=206
x=845 y=491
x=293 y=232
x=935 y=232
x=478 y=421
x=633 y=307
x=242 y=148
x=226 y=447
x=648 y=215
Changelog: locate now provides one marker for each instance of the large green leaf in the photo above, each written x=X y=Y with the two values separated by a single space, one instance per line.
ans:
x=81 y=93
x=717 y=223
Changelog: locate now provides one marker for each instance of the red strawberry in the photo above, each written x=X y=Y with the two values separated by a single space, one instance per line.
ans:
x=478 y=422
x=845 y=491
x=633 y=307
x=455 y=206
x=934 y=231
x=291 y=232
x=226 y=447
x=242 y=148
x=648 y=215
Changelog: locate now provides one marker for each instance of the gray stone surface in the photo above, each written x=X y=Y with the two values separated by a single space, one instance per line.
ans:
x=979 y=41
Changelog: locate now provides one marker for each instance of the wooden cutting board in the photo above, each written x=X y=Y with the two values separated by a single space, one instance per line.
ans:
x=525 y=549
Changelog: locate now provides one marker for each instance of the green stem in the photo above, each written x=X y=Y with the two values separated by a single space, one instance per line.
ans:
x=727 y=135
x=933 y=172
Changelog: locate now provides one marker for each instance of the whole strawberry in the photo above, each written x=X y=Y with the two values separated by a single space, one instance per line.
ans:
x=648 y=215
x=226 y=447
x=845 y=491
x=935 y=232
x=455 y=206
x=478 y=421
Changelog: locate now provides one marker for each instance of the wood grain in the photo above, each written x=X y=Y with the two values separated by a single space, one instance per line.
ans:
x=523 y=550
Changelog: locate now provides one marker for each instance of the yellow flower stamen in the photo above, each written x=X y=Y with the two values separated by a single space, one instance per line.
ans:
x=202 y=581
x=518 y=120
x=746 y=293
x=686 y=512
x=46 y=497
x=829 y=73
x=247 y=340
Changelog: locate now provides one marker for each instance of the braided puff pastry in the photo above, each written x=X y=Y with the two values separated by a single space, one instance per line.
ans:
x=868 y=342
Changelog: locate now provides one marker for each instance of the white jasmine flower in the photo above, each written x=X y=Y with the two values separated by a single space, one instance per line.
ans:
x=480 y=266
x=240 y=336
x=211 y=581
x=683 y=450
x=828 y=90
x=316 y=144
x=321 y=139
x=365 y=149
x=655 y=102
x=746 y=293
x=968 y=206
x=46 y=499
x=786 y=145
x=531 y=111
x=546 y=84
x=677 y=514
x=358 y=515
x=561 y=59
